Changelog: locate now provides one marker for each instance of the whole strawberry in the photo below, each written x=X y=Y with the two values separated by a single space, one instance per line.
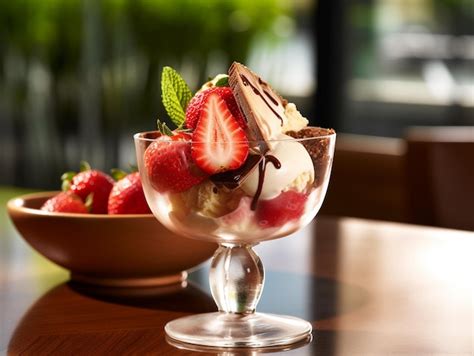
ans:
x=65 y=202
x=127 y=195
x=169 y=164
x=90 y=183
x=198 y=101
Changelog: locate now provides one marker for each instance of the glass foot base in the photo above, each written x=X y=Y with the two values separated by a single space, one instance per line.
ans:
x=238 y=330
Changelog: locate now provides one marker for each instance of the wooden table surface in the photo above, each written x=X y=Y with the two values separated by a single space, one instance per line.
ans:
x=369 y=288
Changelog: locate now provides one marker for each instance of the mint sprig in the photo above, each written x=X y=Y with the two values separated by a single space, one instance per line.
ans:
x=175 y=95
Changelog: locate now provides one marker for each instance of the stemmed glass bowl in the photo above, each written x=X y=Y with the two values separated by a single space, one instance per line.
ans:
x=238 y=215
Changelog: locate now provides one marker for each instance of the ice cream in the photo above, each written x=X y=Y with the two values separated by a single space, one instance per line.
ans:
x=293 y=120
x=243 y=168
x=210 y=201
x=295 y=167
x=284 y=165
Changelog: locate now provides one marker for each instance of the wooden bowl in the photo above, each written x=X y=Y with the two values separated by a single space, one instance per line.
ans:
x=110 y=250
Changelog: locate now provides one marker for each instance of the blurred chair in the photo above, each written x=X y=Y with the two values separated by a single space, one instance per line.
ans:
x=367 y=179
x=440 y=176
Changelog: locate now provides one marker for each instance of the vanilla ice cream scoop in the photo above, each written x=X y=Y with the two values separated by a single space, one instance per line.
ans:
x=293 y=120
x=295 y=162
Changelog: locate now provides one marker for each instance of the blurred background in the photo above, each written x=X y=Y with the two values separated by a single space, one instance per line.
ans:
x=79 y=77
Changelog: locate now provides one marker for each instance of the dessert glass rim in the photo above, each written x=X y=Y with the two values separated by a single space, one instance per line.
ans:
x=331 y=133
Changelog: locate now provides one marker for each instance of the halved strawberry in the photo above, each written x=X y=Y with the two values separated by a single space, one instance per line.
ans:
x=278 y=211
x=169 y=164
x=219 y=144
x=197 y=102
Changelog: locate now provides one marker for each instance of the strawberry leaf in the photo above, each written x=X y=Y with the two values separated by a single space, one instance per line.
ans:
x=65 y=185
x=175 y=95
x=163 y=128
x=89 y=201
x=84 y=166
x=117 y=174
x=68 y=175
x=66 y=179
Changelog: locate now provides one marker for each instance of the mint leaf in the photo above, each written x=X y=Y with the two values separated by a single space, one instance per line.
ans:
x=223 y=82
x=175 y=95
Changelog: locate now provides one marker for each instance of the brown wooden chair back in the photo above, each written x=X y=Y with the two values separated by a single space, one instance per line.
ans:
x=440 y=176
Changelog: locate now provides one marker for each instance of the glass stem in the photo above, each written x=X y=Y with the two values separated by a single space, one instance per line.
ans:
x=236 y=278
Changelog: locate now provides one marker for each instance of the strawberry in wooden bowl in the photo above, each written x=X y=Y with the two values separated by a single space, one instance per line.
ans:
x=126 y=196
x=125 y=246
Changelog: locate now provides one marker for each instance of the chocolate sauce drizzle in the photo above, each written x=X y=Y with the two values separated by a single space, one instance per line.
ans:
x=269 y=96
x=246 y=82
x=272 y=99
x=233 y=179
x=262 y=166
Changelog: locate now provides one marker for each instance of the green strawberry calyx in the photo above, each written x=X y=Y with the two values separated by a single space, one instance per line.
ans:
x=163 y=128
x=89 y=201
x=118 y=174
x=66 y=180
x=84 y=166
x=67 y=177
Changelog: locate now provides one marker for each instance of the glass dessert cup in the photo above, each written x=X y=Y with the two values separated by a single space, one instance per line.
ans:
x=273 y=195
